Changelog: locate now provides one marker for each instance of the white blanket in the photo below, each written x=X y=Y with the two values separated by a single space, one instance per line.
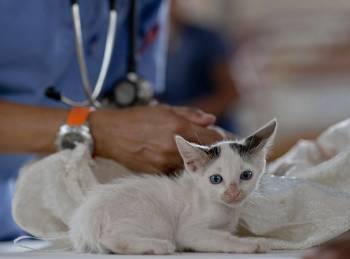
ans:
x=303 y=200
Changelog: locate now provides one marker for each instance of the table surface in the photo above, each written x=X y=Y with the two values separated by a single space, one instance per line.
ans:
x=8 y=250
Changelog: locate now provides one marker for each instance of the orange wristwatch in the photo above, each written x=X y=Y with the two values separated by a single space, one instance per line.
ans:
x=76 y=130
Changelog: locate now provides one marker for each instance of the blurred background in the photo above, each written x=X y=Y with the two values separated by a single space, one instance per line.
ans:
x=249 y=61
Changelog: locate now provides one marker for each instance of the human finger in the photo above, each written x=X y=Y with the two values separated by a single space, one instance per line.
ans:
x=202 y=135
x=196 y=116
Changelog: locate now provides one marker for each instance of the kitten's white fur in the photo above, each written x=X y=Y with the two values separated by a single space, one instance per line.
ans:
x=160 y=215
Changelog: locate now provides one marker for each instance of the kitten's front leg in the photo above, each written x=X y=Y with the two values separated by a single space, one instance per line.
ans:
x=263 y=244
x=211 y=240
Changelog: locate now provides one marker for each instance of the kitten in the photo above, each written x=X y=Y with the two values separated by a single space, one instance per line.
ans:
x=197 y=210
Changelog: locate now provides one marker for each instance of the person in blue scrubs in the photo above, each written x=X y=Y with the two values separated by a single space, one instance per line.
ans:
x=37 y=50
x=198 y=69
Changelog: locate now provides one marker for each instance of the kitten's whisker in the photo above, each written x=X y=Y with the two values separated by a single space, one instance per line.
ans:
x=263 y=198
x=259 y=194
x=249 y=201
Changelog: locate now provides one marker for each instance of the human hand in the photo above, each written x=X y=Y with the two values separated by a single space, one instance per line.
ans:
x=142 y=138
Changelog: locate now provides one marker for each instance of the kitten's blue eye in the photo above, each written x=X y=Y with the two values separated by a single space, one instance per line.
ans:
x=216 y=179
x=246 y=175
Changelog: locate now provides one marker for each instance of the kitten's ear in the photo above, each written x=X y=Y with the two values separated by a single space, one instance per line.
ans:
x=193 y=155
x=261 y=139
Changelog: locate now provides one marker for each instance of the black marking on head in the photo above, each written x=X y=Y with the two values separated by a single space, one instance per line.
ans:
x=239 y=148
x=258 y=141
x=248 y=147
x=213 y=152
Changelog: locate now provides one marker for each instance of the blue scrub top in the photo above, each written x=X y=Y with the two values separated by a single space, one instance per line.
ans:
x=191 y=59
x=37 y=50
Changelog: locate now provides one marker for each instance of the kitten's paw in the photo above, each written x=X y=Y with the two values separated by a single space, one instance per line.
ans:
x=161 y=247
x=247 y=248
x=262 y=247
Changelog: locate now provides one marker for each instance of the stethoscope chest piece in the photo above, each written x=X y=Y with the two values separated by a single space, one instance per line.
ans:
x=131 y=91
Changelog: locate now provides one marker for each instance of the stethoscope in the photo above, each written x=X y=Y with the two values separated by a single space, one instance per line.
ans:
x=131 y=90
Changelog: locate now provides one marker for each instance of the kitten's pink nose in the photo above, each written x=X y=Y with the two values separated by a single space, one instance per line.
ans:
x=232 y=193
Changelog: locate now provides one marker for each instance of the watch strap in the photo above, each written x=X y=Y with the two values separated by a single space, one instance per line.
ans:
x=78 y=116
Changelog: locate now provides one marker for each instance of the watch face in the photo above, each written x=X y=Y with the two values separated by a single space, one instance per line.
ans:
x=69 y=140
x=69 y=136
x=125 y=93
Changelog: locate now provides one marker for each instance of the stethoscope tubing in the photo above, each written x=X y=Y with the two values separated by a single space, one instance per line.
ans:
x=92 y=94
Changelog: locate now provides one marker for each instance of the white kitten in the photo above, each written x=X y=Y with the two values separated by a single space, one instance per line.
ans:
x=197 y=210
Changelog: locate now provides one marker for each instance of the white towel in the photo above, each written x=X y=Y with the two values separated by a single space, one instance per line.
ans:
x=303 y=200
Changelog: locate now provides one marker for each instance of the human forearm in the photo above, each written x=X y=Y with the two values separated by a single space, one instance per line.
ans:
x=28 y=129
x=140 y=138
